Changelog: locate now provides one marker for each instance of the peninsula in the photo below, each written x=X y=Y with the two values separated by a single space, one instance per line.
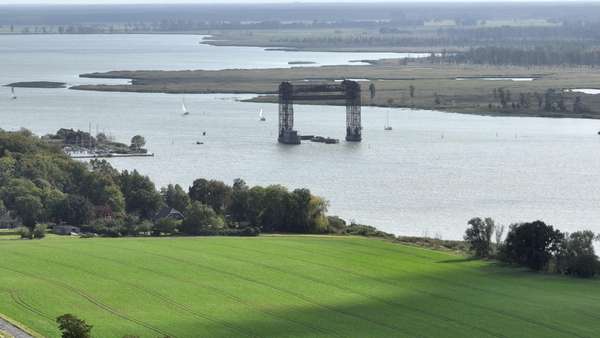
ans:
x=542 y=91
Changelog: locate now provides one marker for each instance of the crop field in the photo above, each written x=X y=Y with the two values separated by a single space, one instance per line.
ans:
x=284 y=286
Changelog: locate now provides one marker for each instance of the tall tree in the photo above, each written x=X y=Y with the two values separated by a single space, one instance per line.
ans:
x=140 y=194
x=479 y=236
x=75 y=210
x=138 y=142
x=175 y=197
x=531 y=244
x=213 y=193
x=372 y=91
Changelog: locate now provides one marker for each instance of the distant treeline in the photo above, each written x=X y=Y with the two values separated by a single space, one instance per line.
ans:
x=538 y=56
x=567 y=32
x=463 y=13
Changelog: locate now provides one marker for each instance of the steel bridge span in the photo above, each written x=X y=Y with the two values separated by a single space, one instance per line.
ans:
x=348 y=91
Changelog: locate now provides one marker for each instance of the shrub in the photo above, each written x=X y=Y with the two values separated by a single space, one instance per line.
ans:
x=367 y=231
x=39 y=231
x=25 y=233
x=200 y=218
x=244 y=232
x=73 y=327
x=479 y=236
x=531 y=244
x=336 y=225
x=583 y=266
x=166 y=226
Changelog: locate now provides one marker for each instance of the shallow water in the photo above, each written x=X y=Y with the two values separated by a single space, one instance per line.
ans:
x=429 y=175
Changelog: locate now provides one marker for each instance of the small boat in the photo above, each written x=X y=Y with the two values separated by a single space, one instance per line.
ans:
x=184 y=108
x=387 y=126
x=12 y=90
x=261 y=116
x=199 y=143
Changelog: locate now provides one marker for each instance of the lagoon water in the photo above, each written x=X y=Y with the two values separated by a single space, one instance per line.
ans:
x=428 y=176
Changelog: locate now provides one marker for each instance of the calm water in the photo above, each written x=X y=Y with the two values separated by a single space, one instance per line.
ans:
x=428 y=176
x=63 y=57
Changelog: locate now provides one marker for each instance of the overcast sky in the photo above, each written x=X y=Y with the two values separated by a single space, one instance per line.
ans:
x=81 y=2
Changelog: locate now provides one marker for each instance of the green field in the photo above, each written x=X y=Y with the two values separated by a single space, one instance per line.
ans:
x=275 y=286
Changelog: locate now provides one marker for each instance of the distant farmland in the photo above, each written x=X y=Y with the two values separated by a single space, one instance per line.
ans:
x=284 y=287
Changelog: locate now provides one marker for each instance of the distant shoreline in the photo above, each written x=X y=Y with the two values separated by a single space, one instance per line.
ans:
x=465 y=89
x=37 y=84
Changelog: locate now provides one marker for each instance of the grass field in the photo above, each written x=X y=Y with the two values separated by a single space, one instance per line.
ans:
x=284 y=287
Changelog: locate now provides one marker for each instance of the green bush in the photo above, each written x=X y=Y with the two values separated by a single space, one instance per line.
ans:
x=25 y=233
x=244 y=232
x=367 y=231
x=73 y=327
x=200 y=218
x=336 y=225
x=39 y=231
x=167 y=226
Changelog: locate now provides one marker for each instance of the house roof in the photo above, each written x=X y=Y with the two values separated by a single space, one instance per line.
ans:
x=168 y=212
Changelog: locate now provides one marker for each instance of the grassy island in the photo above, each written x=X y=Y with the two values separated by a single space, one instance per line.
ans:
x=542 y=91
x=38 y=84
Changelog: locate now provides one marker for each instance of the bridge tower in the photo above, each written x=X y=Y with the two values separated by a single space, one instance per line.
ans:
x=348 y=91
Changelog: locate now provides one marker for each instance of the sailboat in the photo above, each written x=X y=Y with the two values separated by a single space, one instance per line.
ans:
x=184 y=108
x=261 y=116
x=14 y=96
x=388 y=126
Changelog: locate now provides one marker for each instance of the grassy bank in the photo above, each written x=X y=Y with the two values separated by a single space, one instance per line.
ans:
x=454 y=88
x=284 y=286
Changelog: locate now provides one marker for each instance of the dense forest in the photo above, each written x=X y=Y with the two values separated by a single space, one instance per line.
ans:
x=40 y=186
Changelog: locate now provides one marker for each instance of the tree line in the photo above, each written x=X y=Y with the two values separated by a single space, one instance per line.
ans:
x=40 y=185
x=535 y=245
x=537 y=56
x=551 y=100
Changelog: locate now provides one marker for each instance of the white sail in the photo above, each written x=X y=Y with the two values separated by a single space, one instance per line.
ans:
x=388 y=126
x=260 y=115
x=183 y=107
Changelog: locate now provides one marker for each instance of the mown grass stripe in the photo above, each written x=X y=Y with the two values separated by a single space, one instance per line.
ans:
x=209 y=287
x=282 y=290
x=350 y=290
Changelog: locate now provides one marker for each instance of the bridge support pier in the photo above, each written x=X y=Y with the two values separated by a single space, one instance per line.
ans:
x=353 y=111
x=348 y=90
x=287 y=134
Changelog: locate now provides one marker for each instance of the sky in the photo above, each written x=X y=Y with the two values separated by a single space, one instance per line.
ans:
x=84 y=2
